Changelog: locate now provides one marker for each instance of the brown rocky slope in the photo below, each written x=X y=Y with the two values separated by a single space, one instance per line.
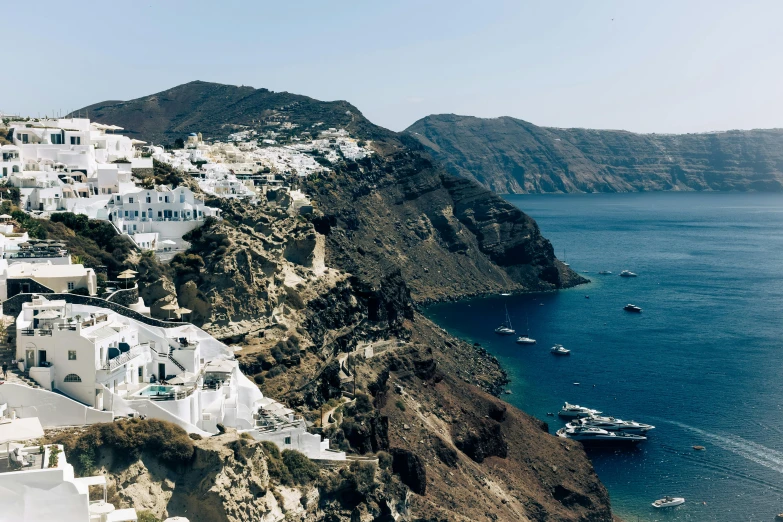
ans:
x=307 y=297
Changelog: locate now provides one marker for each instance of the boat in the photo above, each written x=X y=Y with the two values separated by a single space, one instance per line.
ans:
x=612 y=424
x=506 y=294
x=627 y=273
x=632 y=308
x=668 y=502
x=526 y=339
x=559 y=349
x=598 y=436
x=576 y=411
x=505 y=328
x=565 y=258
x=605 y=272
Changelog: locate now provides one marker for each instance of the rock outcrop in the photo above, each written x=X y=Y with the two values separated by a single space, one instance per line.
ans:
x=507 y=155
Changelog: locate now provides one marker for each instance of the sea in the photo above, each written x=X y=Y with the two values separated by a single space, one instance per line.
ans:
x=703 y=362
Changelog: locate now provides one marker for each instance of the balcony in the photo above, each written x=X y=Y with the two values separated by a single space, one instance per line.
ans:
x=116 y=362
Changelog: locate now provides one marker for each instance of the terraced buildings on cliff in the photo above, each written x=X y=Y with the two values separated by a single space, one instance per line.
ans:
x=307 y=296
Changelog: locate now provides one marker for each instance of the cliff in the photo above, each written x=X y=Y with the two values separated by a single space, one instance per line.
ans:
x=307 y=297
x=507 y=155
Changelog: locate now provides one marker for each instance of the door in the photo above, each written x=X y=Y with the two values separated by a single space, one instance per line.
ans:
x=41 y=357
x=161 y=371
x=29 y=361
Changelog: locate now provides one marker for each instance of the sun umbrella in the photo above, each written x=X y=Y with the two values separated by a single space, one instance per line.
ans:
x=169 y=307
x=125 y=277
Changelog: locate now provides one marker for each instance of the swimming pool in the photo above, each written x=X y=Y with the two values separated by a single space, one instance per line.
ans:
x=155 y=390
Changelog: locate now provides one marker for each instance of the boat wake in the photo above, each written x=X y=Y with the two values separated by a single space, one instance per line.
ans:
x=762 y=455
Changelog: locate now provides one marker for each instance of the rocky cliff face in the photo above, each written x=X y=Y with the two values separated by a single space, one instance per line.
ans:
x=508 y=155
x=309 y=298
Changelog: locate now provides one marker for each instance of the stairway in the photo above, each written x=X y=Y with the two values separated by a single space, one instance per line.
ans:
x=176 y=363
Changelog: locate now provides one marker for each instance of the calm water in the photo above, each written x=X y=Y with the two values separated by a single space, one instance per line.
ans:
x=702 y=362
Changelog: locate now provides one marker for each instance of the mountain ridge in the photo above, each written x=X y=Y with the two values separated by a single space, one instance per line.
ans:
x=509 y=155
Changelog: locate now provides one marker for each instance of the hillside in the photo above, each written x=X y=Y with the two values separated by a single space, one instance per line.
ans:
x=304 y=297
x=508 y=155
x=217 y=110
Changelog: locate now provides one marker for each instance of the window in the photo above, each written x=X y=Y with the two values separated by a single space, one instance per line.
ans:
x=15 y=168
x=149 y=199
x=71 y=355
x=288 y=440
x=76 y=140
x=160 y=198
x=57 y=139
x=24 y=138
x=126 y=213
x=130 y=200
x=136 y=213
x=143 y=214
x=160 y=214
x=72 y=377
x=167 y=199
x=141 y=371
x=70 y=285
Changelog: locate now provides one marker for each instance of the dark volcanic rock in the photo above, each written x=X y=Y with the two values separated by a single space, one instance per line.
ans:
x=479 y=439
x=508 y=155
x=410 y=468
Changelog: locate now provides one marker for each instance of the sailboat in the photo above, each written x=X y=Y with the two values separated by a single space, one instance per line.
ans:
x=564 y=258
x=505 y=328
x=525 y=339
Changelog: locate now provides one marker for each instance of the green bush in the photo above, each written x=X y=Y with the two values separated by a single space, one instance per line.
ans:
x=302 y=470
x=275 y=371
x=384 y=460
x=129 y=439
x=147 y=516
x=277 y=469
x=400 y=404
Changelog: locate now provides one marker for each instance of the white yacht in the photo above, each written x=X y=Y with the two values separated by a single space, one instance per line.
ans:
x=627 y=273
x=668 y=502
x=598 y=436
x=574 y=411
x=505 y=328
x=605 y=272
x=612 y=424
x=559 y=349
x=632 y=308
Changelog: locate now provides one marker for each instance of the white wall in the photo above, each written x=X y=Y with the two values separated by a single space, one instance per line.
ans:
x=52 y=409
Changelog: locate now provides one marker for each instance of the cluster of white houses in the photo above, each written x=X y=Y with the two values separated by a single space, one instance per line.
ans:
x=105 y=364
x=74 y=165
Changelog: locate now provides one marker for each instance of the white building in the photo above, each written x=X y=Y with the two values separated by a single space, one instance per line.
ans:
x=60 y=278
x=37 y=486
x=167 y=213
x=107 y=361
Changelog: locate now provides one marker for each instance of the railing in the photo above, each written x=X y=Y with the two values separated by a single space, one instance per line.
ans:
x=174 y=395
x=45 y=331
x=176 y=362
x=121 y=359
x=62 y=327
x=27 y=331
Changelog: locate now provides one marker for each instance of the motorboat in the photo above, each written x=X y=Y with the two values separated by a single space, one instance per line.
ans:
x=605 y=272
x=505 y=328
x=587 y=435
x=627 y=273
x=612 y=424
x=526 y=339
x=574 y=411
x=559 y=349
x=632 y=308
x=668 y=502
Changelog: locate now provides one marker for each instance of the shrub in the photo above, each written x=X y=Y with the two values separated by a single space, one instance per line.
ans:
x=400 y=404
x=166 y=441
x=274 y=462
x=146 y=516
x=275 y=371
x=302 y=470
x=259 y=378
x=384 y=460
x=195 y=436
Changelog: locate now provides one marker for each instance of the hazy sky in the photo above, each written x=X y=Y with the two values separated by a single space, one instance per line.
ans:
x=658 y=66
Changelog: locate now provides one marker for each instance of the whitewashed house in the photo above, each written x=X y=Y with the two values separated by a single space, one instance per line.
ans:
x=107 y=361
x=169 y=213
x=38 y=484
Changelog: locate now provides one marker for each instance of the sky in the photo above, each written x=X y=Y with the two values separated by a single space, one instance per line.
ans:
x=662 y=66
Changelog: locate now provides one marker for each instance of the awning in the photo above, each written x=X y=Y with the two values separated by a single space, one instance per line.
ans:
x=183 y=378
x=21 y=429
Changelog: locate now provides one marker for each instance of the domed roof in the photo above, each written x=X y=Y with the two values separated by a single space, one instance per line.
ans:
x=192 y=134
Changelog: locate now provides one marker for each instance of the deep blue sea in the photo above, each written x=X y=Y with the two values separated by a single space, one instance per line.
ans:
x=703 y=362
